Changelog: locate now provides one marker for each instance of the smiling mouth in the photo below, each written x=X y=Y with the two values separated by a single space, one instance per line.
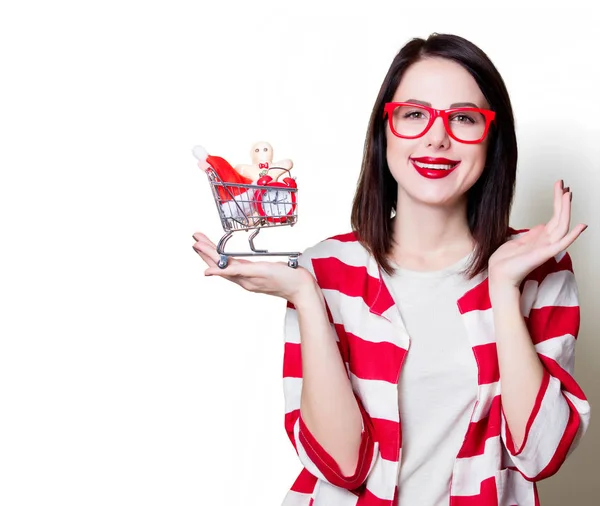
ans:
x=438 y=170
x=435 y=166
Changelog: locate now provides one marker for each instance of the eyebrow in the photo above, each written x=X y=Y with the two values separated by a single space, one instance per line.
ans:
x=456 y=104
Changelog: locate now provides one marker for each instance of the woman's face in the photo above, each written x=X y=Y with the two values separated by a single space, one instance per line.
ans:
x=439 y=83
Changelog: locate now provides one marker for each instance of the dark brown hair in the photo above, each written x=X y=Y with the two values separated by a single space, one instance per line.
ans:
x=488 y=201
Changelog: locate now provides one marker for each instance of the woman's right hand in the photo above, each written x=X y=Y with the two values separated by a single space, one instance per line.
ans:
x=272 y=278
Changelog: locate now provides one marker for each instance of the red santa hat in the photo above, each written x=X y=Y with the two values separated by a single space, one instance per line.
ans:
x=224 y=170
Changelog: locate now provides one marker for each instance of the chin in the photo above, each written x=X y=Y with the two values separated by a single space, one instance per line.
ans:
x=442 y=192
x=435 y=197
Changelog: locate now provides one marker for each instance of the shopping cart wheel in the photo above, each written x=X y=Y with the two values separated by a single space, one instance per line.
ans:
x=223 y=262
x=293 y=262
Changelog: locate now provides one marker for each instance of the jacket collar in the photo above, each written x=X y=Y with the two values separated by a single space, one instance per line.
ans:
x=380 y=299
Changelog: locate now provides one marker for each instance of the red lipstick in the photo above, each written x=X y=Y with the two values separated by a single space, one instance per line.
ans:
x=432 y=172
x=430 y=159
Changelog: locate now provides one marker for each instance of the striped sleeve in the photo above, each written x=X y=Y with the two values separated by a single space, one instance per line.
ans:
x=312 y=455
x=561 y=412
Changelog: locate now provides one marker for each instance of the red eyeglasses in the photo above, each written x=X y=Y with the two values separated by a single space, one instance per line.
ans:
x=469 y=125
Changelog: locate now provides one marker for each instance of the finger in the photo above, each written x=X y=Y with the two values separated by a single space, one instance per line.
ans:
x=558 y=193
x=564 y=223
x=199 y=236
x=205 y=245
x=208 y=259
x=204 y=249
x=555 y=248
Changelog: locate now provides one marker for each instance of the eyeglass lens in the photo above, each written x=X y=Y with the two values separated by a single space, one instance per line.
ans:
x=411 y=121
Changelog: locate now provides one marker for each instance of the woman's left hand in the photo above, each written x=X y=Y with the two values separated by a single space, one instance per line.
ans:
x=516 y=258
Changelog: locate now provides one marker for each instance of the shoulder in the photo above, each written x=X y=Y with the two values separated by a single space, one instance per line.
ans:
x=328 y=255
x=333 y=246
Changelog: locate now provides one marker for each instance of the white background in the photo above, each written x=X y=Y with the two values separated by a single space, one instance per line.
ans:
x=126 y=376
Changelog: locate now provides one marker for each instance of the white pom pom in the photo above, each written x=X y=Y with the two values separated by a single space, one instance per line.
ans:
x=200 y=153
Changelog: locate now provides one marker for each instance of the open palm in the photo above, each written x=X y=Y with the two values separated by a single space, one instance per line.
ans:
x=271 y=278
x=515 y=259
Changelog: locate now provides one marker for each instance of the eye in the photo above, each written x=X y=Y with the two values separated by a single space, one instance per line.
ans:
x=414 y=115
x=265 y=149
x=256 y=150
x=464 y=118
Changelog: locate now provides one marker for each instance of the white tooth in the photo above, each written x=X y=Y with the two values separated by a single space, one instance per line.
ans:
x=433 y=166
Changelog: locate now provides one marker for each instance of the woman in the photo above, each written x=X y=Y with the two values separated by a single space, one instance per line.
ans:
x=408 y=323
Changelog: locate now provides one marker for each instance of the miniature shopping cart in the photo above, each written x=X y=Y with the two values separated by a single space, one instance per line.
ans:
x=251 y=207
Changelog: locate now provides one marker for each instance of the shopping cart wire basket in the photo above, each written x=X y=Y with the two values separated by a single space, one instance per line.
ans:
x=252 y=207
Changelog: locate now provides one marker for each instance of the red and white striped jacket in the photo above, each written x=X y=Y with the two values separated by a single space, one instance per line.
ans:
x=373 y=342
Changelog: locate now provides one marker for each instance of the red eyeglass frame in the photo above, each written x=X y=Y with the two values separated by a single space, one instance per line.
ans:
x=434 y=114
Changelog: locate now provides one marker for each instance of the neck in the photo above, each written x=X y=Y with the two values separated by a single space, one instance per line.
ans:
x=429 y=232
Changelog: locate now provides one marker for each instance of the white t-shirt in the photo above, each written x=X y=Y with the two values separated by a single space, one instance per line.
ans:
x=438 y=384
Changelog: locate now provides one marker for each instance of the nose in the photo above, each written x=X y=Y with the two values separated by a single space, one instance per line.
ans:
x=437 y=136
